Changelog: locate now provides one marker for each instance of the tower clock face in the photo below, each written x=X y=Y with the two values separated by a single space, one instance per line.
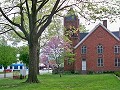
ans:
x=70 y=18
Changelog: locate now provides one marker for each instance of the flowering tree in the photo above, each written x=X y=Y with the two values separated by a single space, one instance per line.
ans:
x=54 y=48
x=57 y=49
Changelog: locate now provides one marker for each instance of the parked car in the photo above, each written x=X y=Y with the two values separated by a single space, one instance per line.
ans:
x=7 y=70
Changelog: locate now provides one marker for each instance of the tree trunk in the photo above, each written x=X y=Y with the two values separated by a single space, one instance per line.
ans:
x=38 y=60
x=4 y=72
x=32 y=76
x=59 y=70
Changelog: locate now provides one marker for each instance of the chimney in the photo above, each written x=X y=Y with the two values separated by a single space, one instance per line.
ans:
x=105 y=23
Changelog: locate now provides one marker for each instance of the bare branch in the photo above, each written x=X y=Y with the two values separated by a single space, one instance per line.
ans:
x=43 y=20
x=12 y=29
x=20 y=35
x=42 y=4
x=26 y=1
x=8 y=18
x=5 y=31
x=59 y=15
x=49 y=19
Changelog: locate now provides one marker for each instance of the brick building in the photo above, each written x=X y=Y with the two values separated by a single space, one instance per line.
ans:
x=97 y=51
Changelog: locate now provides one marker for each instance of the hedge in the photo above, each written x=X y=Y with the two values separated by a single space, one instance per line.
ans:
x=117 y=73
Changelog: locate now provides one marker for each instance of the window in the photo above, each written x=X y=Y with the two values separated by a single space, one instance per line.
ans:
x=99 y=49
x=116 y=49
x=21 y=67
x=100 y=62
x=83 y=49
x=70 y=18
x=5 y=67
x=117 y=62
x=15 y=67
x=0 y=66
x=10 y=67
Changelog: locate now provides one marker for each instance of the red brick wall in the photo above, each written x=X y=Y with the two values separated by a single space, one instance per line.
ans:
x=69 y=23
x=99 y=36
x=68 y=67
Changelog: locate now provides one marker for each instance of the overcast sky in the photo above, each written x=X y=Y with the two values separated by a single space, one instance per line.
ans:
x=111 y=26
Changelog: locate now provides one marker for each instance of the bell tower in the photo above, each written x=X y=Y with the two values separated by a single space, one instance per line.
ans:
x=71 y=24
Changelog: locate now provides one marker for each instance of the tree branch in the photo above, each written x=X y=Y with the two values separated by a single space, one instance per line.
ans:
x=5 y=31
x=49 y=19
x=42 y=20
x=8 y=18
x=27 y=9
x=13 y=30
x=42 y=4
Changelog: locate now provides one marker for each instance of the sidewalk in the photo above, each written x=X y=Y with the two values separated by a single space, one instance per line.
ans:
x=10 y=75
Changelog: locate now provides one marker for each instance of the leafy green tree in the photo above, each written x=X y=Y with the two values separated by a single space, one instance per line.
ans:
x=24 y=54
x=83 y=29
x=7 y=56
x=33 y=11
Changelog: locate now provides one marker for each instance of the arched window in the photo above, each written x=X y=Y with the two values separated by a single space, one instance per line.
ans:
x=99 y=49
x=83 y=50
x=117 y=49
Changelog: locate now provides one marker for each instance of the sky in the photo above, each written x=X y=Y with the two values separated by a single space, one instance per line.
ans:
x=111 y=26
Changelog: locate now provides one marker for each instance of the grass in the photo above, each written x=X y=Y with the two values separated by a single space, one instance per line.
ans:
x=66 y=82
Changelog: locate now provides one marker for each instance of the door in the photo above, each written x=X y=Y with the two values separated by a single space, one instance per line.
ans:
x=84 y=64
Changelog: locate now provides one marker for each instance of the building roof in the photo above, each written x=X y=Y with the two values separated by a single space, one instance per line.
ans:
x=84 y=36
x=116 y=33
x=17 y=65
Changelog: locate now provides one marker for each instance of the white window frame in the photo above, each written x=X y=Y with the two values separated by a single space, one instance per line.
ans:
x=99 y=49
x=117 y=49
x=101 y=64
x=83 y=49
x=117 y=64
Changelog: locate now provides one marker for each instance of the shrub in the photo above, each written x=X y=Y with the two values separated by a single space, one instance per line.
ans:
x=108 y=72
x=67 y=72
x=90 y=72
x=77 y=72
x=117 y=73
x=58 y=70
x=21 y=77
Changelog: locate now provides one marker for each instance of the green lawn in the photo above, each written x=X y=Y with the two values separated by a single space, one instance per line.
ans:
x=66 y=82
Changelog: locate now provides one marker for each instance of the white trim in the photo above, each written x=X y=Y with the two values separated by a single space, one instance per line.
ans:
x=83 y=49
x=100 y=49
x=116 y=62
x=116 y=47
x=95 y=28
x=101 y=64
x=84 y=65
